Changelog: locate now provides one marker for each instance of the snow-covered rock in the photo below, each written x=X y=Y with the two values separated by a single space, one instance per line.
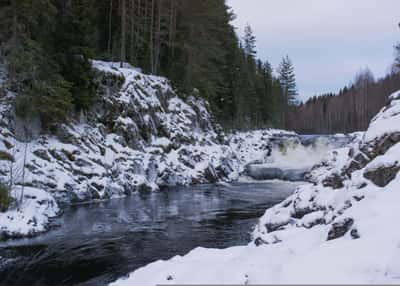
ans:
x=139 y=135
x=32 y=217
x=334 y=231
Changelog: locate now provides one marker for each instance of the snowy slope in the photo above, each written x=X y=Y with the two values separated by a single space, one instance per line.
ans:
x=342 y=229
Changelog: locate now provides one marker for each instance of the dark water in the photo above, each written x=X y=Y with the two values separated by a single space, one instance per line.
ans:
x=99 y=243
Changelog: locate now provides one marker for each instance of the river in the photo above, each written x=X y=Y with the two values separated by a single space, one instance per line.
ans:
x=97 y=243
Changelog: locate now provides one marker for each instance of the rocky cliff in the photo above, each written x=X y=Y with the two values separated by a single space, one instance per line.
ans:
x=139 y=135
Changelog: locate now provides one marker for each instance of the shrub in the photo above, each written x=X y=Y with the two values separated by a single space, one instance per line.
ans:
x=5 y=198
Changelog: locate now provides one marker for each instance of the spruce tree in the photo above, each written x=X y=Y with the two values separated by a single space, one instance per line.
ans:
x=287 y=79
x=249 y=42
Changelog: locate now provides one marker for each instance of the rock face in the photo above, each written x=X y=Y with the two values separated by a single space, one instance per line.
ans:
x=383 y=175
x=139 y=135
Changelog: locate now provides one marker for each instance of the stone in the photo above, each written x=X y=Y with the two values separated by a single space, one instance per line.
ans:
x=339 y=229
x=382 y=176
x=354 y=234
x=42 y=154
x=210 y=174
x=259 y=241
x=334 y=181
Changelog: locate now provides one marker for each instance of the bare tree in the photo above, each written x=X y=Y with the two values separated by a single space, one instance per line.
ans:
x=348 y=111
x=14 y=169
x=27 y=137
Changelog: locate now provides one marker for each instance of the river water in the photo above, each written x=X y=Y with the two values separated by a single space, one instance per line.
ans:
x=97 y=243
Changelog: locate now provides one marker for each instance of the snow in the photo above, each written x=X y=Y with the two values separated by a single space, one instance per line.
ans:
x=319 y=235
x=389 y=159
x=32 y=216
x=387 y=121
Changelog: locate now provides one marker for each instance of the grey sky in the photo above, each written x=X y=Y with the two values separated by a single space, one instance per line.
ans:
x=329 y=41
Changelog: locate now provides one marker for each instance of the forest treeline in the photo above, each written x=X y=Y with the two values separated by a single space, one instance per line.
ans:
x=48 y=44
x=348 y=111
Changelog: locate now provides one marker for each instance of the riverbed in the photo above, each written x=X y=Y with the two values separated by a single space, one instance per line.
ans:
x=97 y=243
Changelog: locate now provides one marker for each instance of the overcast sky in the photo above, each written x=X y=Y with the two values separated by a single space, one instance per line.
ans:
x=329 y=41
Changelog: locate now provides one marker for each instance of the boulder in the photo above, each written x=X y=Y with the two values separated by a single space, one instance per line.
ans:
x=334 y=181
x=339 y=229
x=382 y=176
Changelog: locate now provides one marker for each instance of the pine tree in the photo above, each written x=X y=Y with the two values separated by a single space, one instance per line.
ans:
x=249 y=42
x=287 y=79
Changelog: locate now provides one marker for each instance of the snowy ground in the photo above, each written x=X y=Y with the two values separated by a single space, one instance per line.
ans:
x=340 y=230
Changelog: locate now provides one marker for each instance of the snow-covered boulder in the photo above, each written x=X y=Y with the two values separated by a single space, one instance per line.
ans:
x=30 y=218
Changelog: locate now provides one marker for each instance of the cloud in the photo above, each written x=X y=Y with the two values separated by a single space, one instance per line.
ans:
x=332 y=39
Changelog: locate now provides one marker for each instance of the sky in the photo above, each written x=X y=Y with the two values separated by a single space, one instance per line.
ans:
x=329 y=41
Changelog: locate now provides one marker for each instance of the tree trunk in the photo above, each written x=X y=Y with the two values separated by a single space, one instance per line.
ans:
x=158 y=38
x=23 y=174
x=151 y=45
x=110 y=29
x=123 y=32
x=132 y=46
x=138 y=24
x=171 y=32
x=14 y=25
